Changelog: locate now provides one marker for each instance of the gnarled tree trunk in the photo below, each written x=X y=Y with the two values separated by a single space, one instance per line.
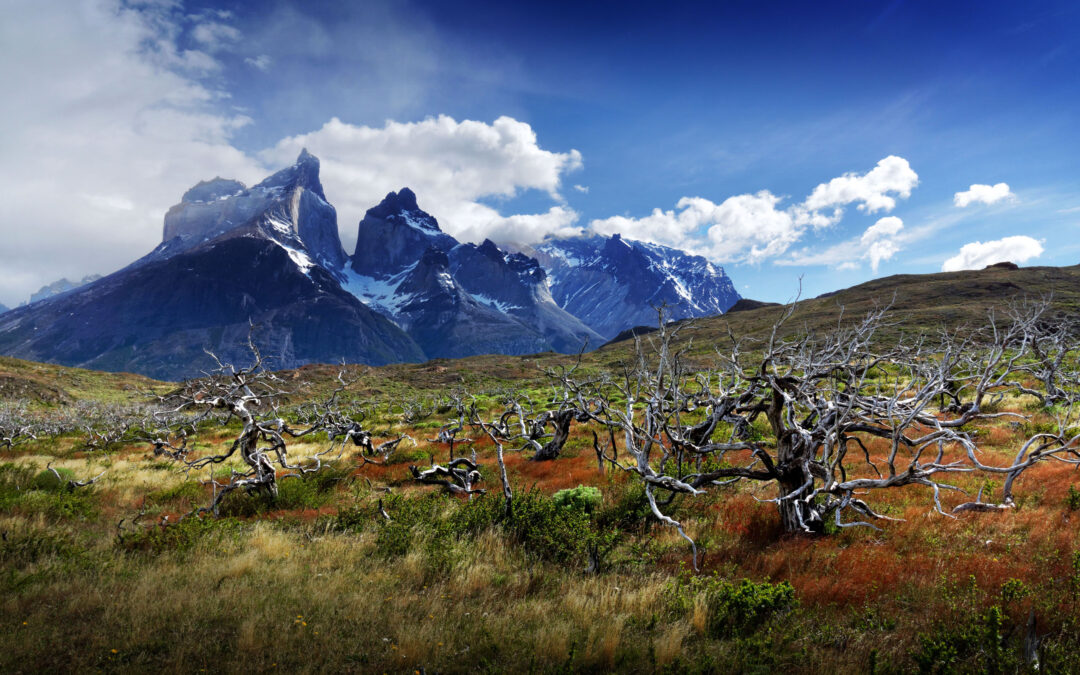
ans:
x=561 y=421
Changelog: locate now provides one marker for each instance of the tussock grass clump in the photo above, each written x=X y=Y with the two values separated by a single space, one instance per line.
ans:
x=181 y=536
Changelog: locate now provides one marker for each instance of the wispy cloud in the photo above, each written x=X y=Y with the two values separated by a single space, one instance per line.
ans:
x=262 y=61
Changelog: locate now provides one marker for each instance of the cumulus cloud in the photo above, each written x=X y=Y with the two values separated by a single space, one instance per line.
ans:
x=872 y=191
x=114 y=120
x=755 y=227
x=741 y=228
x=977 y=254
x=986 y=194
x=451 y=166
x=880 y=242
x=584 y=189
x=884 y=228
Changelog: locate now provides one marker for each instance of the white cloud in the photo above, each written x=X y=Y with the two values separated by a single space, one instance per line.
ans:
x=883 y=229
x=977 y=254
x=880 y=242
x=744 y=227
x=110 y=122
x=987 y=194
x=871 y=191
x=521 y=228
x=584 y=189
x=450 y=165
x=748 y=225
x=752 y=227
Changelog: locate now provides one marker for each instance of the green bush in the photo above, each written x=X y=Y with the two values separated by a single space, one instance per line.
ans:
x=548 y=530
x=627 y=509
x=78 y=504
x=582 y=498
x=33 y=491
x=975 y=645
x=545 y=528
x=1014 y=590
x=734 y=608
x=47 y=480
x=26 y=547
x=189 y=492
x=15 y=480
x=1072 y=499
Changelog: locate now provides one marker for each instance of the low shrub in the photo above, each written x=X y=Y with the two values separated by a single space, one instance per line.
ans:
x=582 y=498
x=626 y=509
x=32 y=491
x=733 y=608
x=49 y=481
x=975 y=645
x=546 y=529
x=1072 y=499
x=25 y=547
x=189 y=492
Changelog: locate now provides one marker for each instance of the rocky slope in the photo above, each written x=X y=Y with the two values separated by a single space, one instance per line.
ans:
x=517 y=285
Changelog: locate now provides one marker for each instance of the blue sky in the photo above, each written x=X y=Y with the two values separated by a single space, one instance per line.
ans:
x=725 y=117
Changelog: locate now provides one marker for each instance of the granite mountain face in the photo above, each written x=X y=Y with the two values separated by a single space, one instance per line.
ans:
x=394 y=234
x=290 y=203
x=456 y=299
x=612 y=283
x=232 y=257
x=270 y=255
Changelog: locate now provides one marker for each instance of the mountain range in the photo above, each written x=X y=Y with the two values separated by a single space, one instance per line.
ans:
x=61 y=286
x=269 y=256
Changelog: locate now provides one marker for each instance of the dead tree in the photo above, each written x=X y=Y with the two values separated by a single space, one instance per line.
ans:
x=457 y=477
x=16 y=425
x=251 y=395
x=501 y=431
x=448 y=433
x=823 y=399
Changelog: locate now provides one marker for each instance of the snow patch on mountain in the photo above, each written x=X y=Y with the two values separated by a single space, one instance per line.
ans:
x=613 y=283
x=379 y=294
